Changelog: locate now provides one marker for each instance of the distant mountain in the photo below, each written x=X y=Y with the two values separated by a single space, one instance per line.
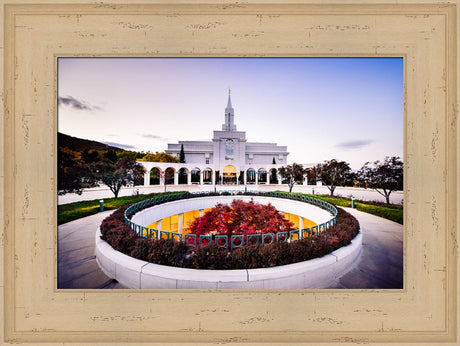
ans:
x=79 y=144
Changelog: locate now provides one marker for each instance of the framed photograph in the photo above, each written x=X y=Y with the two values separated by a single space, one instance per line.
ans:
x=328 y=115
x=36 y=35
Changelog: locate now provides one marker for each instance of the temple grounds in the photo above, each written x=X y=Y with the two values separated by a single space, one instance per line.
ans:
x=380 y=265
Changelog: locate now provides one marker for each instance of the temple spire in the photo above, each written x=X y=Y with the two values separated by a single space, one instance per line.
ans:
x=229 y=102
x=229 y=114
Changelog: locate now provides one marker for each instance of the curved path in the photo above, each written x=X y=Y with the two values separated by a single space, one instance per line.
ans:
x=380 y=265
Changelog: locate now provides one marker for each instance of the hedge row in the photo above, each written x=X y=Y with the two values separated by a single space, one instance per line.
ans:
x=171 y=253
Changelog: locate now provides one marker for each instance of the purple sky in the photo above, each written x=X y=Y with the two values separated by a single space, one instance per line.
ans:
x=348 y=109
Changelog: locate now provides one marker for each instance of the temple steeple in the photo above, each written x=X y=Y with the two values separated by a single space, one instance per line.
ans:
x=229 y=116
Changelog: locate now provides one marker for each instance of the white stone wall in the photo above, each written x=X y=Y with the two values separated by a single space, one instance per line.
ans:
x=315 y=273
x=147 y=216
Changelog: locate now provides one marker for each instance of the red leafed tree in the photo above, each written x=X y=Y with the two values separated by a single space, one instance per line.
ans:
x=241 y=218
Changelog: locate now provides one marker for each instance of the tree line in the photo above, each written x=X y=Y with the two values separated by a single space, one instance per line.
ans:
x=383 y=176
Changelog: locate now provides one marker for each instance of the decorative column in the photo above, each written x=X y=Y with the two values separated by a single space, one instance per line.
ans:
x=257 y=177
x=305 y=180
x=213 y=177
x=147 y=178
x=189 y=177
x=279 y=178
x=176 y=178
x=201 y=178
x=162 y=178
x=181 y=221
x=245 y=177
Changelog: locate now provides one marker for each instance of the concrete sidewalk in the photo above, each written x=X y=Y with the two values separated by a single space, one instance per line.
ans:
x=396 y=197
x=380 y=264
x=77 y=266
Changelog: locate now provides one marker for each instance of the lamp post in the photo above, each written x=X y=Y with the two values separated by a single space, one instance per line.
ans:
x=101 y=205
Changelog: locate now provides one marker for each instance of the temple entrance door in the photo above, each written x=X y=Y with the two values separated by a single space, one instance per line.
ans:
x=229 y=175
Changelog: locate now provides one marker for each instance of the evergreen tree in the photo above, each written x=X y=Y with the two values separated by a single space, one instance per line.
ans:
x=182 y=154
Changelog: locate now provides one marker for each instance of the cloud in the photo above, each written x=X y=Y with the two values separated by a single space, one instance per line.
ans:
x=119 y=145
x=76 y=104
x=354 y=144
x=160 y=138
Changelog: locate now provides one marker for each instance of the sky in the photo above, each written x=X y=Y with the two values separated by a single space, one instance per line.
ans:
x=348 y=109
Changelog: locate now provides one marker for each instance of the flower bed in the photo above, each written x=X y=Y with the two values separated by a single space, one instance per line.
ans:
x=124 y=239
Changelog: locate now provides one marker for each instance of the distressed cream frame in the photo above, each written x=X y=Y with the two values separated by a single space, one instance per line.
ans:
x=34 y=34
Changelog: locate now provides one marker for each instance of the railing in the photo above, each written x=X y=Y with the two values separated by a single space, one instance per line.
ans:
x=235 y=241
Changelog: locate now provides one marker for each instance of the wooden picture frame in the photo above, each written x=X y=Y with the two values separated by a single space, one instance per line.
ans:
x=34 y=34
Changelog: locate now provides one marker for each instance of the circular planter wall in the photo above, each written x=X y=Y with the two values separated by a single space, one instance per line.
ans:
x=315 y=273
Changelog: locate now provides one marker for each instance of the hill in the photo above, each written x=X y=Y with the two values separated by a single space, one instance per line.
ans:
x=79 y=144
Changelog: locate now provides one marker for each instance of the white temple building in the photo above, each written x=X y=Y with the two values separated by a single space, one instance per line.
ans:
x=226 y=159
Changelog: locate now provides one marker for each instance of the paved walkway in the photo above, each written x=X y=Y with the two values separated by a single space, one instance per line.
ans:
x=396 y=197
x=380 y=264
x=77 y=266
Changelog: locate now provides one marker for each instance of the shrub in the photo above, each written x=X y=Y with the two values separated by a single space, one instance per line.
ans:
x=167 y=252
x=141 y=249
x=248 y=257
x=121 y=238
x=210 y=257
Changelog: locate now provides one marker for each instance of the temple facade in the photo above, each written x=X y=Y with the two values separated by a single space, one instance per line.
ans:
x=226 y=159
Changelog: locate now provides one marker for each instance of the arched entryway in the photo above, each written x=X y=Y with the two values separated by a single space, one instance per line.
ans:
x=169 y=176
x=183 y=176
x=229 y=175
x=251 y=176
x=195 y=176
x=154 y=176
x=207 y=176
x=262 y=177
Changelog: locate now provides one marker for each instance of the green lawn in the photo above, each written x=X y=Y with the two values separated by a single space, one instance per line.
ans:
x=77 y=210
x=72 y=211
x=392 y=212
